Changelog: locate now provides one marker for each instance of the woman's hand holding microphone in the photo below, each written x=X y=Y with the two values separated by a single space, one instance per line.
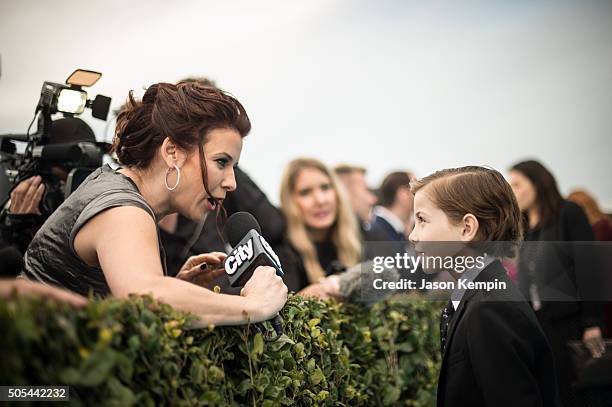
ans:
x=203 y=268
x=265 y=291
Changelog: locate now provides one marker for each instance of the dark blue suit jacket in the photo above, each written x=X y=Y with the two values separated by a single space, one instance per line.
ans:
x=382 y=227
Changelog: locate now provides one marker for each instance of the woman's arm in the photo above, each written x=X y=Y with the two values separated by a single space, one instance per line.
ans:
x=35 y=289
x=123 y=241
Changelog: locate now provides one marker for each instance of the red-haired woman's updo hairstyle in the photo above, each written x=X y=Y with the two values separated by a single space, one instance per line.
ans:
x=185 y=112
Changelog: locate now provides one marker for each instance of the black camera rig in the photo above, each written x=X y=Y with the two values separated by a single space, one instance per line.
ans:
x=40 y=157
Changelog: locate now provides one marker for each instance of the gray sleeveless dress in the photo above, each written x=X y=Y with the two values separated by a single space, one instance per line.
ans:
x=51 y=258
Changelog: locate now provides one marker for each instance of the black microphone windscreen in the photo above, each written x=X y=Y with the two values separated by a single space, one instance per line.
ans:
x=239 y=225
x=61 y=153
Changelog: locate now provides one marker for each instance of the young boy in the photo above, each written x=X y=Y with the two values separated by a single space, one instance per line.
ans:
x=494 y=352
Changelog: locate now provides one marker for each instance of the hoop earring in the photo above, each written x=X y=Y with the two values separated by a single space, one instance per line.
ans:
x=178 y=178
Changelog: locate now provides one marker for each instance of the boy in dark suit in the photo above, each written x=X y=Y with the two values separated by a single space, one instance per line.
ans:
x=494 y=351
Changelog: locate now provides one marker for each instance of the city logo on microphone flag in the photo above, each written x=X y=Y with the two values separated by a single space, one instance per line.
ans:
x=241 y=254
x=272 y=254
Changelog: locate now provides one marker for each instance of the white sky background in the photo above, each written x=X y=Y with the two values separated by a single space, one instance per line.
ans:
x=382 y=84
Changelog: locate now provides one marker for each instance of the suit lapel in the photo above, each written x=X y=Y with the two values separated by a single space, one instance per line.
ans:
x=455 y=320
x=451 y=329
x=488 y=273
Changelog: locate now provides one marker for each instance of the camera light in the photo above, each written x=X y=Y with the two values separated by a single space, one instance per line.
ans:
x=71 y=101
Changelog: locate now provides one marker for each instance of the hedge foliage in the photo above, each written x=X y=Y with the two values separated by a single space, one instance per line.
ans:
x=140 y=352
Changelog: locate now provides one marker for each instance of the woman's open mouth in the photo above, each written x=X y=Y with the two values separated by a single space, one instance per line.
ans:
x=211 y=204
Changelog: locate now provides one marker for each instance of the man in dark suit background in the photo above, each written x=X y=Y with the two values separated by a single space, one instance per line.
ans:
x=362 y=200
x=393 y=215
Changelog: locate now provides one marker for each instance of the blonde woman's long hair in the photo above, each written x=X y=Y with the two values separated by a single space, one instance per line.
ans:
x=344 y=231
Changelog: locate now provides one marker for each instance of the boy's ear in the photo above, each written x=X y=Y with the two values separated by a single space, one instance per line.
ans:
x=470 y=227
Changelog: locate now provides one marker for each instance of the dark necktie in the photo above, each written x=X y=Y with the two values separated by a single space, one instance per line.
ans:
x=447 y=315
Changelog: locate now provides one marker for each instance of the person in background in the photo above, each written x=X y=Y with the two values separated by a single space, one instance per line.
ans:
x=322 y=233
x=361 y=199
x=602 y=229
x=21 y=217
x=599 y=221
x=554 y=266
x=393 y=215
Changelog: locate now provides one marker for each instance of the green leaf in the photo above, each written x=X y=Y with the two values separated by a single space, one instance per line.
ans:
x=323 y=395
x=310 y=366
x=280 y=342
x=70 y=376
x=96 y=368
x=212 y=397
x=123 y=395
x=134 y=342
x=314 y=322
x=390 y=395
x=197 y=373
x=215 y=374
x=244 y=386
x=317 y=376
x=258 y=345
x=299 y=350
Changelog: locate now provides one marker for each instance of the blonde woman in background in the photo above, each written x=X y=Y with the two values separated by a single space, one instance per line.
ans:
x=322 y=235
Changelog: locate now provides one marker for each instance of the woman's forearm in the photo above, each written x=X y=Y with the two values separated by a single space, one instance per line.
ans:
x=208 y=306
x=32 y=288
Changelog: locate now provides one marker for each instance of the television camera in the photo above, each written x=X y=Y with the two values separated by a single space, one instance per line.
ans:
x=46 y=157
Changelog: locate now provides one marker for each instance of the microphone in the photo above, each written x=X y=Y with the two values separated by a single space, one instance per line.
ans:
x=54 y=153
x=76 y=154
x=250 y=250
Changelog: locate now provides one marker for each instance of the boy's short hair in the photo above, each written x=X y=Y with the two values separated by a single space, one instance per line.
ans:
x=484 y=193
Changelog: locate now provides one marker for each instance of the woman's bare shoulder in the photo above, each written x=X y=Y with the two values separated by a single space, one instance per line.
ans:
x=115 y=227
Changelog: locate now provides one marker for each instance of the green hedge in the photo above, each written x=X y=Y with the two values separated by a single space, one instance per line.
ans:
x=138 y=352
